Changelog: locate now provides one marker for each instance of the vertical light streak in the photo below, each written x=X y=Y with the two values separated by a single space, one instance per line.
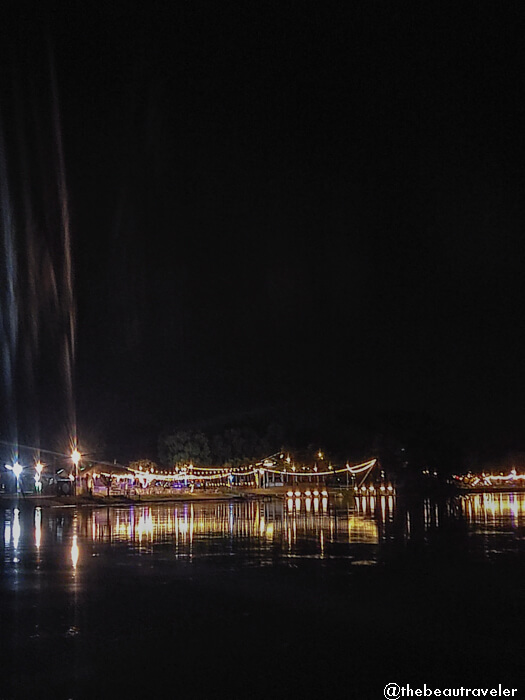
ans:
x=16 y=528
x=74 y=552
x=69 y=339
x=9 y=291
x=38 y=527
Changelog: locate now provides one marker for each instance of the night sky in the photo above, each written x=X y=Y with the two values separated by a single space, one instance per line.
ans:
x=310 y=207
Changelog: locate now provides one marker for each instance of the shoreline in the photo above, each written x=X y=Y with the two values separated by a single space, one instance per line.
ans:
x=104 y=501
x=101 y=501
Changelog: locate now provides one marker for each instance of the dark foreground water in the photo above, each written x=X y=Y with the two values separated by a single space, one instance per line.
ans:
x=302 y=598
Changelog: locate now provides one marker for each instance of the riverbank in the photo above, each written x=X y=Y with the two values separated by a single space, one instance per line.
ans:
x=99 y=500
x=511 y=488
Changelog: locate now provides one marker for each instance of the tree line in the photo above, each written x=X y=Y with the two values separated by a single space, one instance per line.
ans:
x=231 y=447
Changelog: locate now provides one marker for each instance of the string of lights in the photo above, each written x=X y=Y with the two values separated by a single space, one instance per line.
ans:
x=193 y=473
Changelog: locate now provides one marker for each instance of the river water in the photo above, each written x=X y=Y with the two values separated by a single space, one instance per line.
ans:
x=302 y=597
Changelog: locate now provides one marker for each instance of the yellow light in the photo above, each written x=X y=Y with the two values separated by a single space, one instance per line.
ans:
x=74 y=552
x=75 y=456
x=38 y=526
x=16 y=527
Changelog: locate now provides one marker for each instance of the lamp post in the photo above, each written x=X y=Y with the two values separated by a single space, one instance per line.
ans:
x=75 y=457
x=17 y=470
x=38 y=483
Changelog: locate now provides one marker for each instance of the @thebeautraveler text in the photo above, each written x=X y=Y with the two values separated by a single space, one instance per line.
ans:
x=393 y=691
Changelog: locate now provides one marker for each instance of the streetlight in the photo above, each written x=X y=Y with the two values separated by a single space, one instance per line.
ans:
x=17 y=470
x=75 y=457
x=38 y=484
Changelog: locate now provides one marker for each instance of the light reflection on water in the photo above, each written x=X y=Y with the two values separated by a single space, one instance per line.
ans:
x=496 y=508
x=261 y=530
x=86 y=585
x=201 y=528
x=264 y=532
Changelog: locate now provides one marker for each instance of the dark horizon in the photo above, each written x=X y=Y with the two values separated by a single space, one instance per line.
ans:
x=271 y=211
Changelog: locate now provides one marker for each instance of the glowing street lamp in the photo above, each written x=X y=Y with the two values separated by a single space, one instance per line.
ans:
x=75 y=457
x=38 y=484
x=17 y=470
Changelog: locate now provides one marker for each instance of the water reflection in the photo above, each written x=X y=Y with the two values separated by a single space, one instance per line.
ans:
x=362 y=529
x=38 y=526
x=282 y=527
x=496 y=507
x=74 y=552
x=497 y=522
x=16 y=528
x=82 y=583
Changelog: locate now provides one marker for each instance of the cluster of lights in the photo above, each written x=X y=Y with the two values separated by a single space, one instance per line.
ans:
x=17 y=469
x=356 y=469
x=372 y=489
x=306 y=494
x=192 y=473
x=491 y=480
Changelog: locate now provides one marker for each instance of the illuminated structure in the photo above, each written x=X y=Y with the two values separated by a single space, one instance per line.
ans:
x=264 y=474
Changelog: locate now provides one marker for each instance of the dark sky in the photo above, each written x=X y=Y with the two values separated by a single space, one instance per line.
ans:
x=311 y=204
